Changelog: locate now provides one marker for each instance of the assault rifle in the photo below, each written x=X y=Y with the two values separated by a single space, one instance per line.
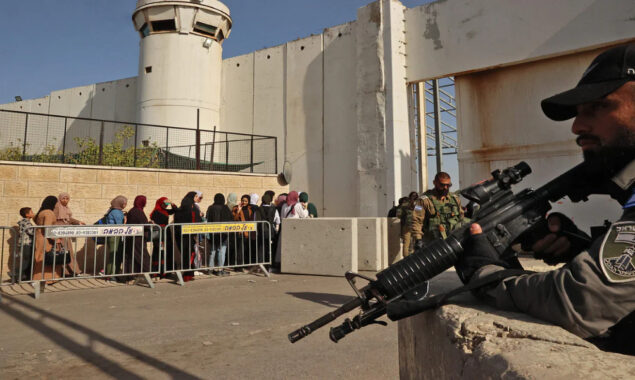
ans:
x=506 y=219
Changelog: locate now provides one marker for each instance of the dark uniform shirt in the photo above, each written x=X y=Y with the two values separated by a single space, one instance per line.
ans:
x=588 y=295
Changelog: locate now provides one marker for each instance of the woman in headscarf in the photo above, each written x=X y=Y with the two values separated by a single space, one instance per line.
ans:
x=232 y=200
x=218 y=212
x=64 y=216
x=114 y=244
x=304 y=198
x=293 y=208
x=243 y=213
x=268 y=213
x=282 y=199
x=187 y=213
x=137 y=256
x=160 y=216
x=44 y=217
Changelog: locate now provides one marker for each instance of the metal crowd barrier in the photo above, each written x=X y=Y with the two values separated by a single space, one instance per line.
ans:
x=61 y=253
x=9 y=236
x=207 y=247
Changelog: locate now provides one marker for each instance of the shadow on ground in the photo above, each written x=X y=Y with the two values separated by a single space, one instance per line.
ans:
x=331 y=300
x=11 y=306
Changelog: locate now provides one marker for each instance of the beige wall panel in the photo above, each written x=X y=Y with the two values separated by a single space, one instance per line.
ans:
x=143 y=178
x=269 y=103
x=111 y=191
x=340 y=120
x=44 y=189
x=39 y=173
x=8 y=172
x=497 y=129
x=78 y=175
x=304 y=139
x=112 y=176
x=200 y=180
x=15 y=188
x=449 y=37
x=82 y=190
x=237 y=88
x=125 y=99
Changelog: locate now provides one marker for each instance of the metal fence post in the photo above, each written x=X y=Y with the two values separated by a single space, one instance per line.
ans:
x=275 y=145
x=251 y=154
x=64 y=141
x=197 y=154
x=101 y=143
x=167 y=137
x=26 y=128
x=211 y=160
x=226 y=152
x=136 y=134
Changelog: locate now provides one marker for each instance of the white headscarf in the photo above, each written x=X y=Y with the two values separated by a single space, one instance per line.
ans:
x=254 y=199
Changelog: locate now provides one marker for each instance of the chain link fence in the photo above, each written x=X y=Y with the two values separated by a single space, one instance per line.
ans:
x=46 y=138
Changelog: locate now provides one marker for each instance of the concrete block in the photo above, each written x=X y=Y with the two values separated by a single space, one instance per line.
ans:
x=112 y=176
x=143 y=178
x=172 y=178
x=78 y=175
x=199 y=180
x=15 y=189
x=8 y=172
x=111 y=191
x=153 y=192
x=369 y=243
x=394 y=240
x=319 y=246
x=82 y=190
x=39 y=173
x=98 y=207
x=469 y=340
x=384 y=242
x=44 y=189
x=238 y=182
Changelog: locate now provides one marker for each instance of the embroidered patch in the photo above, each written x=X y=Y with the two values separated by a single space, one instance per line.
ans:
x=617 y=253
x=418 y=208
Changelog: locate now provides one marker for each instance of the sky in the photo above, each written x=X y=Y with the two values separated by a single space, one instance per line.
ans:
x=51 y=45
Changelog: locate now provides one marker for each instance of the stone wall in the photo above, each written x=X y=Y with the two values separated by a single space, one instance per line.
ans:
x=468 y=340
x=92 y=187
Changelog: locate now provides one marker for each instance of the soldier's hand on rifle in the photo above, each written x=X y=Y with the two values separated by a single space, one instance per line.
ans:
x=478 y=254
x=418 y=244
x=562 y=241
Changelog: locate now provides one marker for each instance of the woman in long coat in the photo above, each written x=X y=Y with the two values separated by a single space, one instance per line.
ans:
x=187 y=213
x=161 y=217
x=137 y=255
x=45 y=217
x=64 y=217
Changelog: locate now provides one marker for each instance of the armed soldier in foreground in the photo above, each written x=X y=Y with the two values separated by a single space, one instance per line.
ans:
x=593 y=295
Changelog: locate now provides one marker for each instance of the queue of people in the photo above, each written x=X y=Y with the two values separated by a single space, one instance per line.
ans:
x=185 y=252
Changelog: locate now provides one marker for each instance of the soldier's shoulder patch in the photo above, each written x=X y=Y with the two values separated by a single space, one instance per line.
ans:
x=617 y=253
x=418 y=208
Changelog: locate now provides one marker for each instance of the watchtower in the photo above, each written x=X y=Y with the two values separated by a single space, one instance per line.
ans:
x=180 y=61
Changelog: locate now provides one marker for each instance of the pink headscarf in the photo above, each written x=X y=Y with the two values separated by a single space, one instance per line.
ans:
x=292 y=199
x=281 y=200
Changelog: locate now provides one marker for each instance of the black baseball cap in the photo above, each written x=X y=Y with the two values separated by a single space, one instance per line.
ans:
x=608 y=72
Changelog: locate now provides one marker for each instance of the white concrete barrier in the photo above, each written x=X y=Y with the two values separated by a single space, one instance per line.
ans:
x=324 y=246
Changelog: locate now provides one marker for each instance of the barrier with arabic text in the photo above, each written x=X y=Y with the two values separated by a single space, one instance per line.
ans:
x=215 y=246
x=59 y=253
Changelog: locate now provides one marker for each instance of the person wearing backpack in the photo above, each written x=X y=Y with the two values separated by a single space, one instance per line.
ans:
x=114 y=244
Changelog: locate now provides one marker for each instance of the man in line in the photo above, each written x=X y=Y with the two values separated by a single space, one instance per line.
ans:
x=593 y=294
x=437 y=212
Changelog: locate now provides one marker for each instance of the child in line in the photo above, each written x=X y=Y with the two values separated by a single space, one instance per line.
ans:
x=25 y=244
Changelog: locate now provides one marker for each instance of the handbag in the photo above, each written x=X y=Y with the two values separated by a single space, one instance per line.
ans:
x=58 y=257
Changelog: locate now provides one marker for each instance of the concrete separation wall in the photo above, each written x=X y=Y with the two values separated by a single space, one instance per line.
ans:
x=472 y=341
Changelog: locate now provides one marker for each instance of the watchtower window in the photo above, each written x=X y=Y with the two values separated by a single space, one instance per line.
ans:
x=163 y=25
x=221 y=36
x=145 y=30
x=205 y=29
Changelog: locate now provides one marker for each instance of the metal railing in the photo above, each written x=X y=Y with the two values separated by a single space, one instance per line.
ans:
x=37 y=137
x=131 y=251
x=212 y=246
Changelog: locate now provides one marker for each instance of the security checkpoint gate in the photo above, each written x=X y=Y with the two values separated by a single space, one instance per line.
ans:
x=60 y=253
x=193 y=247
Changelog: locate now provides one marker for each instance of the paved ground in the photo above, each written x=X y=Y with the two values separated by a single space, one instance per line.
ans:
x=217 y=328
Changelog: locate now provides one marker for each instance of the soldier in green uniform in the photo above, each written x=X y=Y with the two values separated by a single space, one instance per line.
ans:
x=404 y=213
x=437 y=212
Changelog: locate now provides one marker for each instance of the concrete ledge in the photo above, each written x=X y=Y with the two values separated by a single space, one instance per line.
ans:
x=472 y=341
x=324 y=246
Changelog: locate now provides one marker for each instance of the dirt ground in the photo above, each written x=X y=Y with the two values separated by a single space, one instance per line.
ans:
x=212 y=328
